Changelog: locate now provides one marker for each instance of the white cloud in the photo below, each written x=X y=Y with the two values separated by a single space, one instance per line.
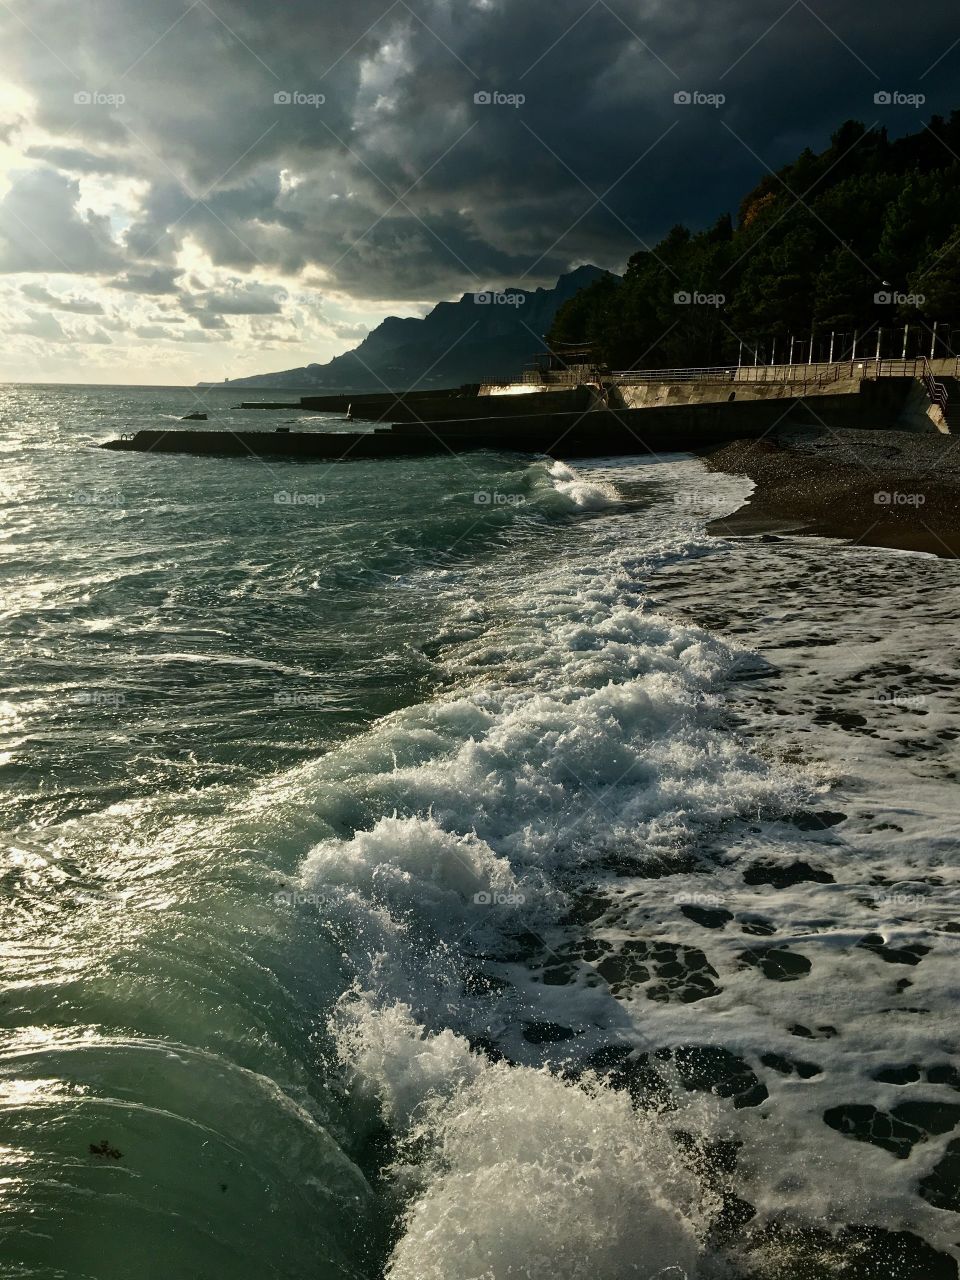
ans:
x=42 y=228
x=78 y=306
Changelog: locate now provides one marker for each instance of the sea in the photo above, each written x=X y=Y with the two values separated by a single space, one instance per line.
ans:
x=462 y=868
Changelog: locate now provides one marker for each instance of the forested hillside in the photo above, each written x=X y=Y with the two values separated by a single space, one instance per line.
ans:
x=863 y=236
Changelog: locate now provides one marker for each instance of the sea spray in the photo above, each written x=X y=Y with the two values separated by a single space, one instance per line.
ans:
x=578 y=492
x=509 y=1170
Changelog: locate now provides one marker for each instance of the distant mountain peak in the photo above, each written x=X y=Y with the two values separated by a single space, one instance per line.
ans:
x=486 y=334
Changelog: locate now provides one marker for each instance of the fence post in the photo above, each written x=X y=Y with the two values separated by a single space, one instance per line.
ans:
x=830 y=356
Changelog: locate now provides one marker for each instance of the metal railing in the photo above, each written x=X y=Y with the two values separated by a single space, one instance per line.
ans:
x=716 y=373
x=560 y=377
x=936 y=391
x=802 y=374
x=821 y=371
x=818 y=373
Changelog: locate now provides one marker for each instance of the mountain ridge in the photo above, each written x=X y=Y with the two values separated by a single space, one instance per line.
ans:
x=480 y=336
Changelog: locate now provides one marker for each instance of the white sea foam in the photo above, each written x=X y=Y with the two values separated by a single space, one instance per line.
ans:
x=581 y=725
x=512 y=1171
x=579 y=491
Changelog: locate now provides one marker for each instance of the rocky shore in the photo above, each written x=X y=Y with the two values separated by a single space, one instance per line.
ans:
x=877 y=488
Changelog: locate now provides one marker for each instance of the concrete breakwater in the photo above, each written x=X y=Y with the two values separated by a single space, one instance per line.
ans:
x=582 y=432
x=367 y=406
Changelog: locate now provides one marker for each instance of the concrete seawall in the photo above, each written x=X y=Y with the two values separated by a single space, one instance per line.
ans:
x=646 y=395
x=588 y=432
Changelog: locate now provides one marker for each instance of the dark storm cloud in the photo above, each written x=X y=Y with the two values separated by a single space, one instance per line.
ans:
x=398 y=183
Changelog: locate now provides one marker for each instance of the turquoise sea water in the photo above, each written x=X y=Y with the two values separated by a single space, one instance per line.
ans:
x=177 y=632
x=305 y=769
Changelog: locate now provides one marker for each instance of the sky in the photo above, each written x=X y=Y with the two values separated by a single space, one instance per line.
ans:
x=193 y=191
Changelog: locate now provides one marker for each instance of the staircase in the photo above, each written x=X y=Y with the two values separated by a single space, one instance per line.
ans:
x=945 y=394
x=951 y=410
